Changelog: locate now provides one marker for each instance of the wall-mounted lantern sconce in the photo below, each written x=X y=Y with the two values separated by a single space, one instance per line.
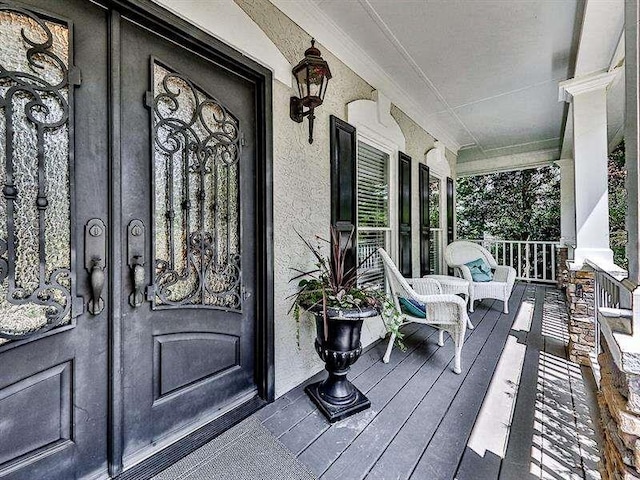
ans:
x=312 y=75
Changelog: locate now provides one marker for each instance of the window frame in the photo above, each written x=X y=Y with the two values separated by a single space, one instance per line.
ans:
x=370 y=138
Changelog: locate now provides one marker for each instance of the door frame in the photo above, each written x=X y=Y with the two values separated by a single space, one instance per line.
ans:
x=159 y=20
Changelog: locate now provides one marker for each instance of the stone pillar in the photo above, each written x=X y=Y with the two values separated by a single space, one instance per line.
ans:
x=619 y=405
x=631 y=135
x=567 y=202
x=589 y=101
x=562 y=267
x=581 y=304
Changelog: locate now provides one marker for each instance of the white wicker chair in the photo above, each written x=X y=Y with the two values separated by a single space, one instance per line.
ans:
x=448 y=313
x=458 y=253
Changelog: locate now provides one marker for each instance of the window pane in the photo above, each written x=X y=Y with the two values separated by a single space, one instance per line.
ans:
x=373 y=187
x=372 y=271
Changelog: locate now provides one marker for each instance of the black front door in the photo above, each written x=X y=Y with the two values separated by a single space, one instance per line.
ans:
x=53 y=166
x=134 y=239
x=187 y=150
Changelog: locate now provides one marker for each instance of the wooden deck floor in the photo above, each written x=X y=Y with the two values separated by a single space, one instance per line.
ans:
x=519 y=410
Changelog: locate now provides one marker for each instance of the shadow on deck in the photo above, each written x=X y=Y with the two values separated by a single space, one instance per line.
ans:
x=519 y=410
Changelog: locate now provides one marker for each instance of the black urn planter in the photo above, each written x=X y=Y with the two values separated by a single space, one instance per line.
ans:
x=336 y=396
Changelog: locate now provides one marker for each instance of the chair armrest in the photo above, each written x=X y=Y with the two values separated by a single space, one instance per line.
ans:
x=453 y=304
x=442 y=299
x=505 y=274
x=425 y=286
x=465 y=272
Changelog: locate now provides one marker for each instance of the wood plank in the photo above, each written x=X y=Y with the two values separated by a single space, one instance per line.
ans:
x=472 y=465
x=519 y=455
x=300 y=437
x=370 y=356
x=442 y=455
x=362 y=454
x=292 y=416
x=404 y=451
x=331 y=444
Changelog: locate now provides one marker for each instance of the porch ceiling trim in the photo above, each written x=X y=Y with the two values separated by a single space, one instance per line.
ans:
x=507 y=163
x=315 y=22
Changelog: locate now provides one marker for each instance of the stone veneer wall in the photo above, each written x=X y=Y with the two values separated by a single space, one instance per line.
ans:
x=580 y=289
x=562 y=268
x=301 y=185
x=619 y=402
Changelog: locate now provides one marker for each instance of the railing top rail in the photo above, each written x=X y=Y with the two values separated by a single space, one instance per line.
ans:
x=500 y=240
x=614 y=273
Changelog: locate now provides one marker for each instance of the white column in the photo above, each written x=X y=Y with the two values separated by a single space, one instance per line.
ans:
x=567 y=203
x=631 y=136
x=589 y=98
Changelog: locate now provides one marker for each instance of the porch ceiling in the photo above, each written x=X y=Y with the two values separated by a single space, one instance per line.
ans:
x=485 y=74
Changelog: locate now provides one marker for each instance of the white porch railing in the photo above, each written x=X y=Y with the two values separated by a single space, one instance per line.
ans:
x=533 y=260
x=614 y=300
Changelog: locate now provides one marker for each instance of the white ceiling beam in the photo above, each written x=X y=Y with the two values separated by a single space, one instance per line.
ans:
x=507 y=163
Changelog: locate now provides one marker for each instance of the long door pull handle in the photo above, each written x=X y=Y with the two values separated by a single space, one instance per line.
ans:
x=95 y=262
x=135 y=255
x=96 y=303
x=137 y=271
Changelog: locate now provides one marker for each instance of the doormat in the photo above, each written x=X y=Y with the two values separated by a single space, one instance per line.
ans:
x=247 y=451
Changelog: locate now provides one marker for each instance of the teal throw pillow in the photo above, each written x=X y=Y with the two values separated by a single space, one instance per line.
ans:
x=412 y=307
x=480 y=271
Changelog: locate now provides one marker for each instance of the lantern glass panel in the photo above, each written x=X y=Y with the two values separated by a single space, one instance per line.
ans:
x=301 y=80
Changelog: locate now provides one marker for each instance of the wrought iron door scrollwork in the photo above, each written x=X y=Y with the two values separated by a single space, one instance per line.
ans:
x=196 y=196
x=35 y=252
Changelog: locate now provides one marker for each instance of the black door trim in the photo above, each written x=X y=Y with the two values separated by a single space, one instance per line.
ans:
x=161 y=21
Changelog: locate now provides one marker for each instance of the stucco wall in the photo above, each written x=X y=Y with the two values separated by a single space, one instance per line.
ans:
x=302 y=185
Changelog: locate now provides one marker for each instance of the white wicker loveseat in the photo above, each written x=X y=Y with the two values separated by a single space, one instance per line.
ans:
x=457 y=254
x=448 y=313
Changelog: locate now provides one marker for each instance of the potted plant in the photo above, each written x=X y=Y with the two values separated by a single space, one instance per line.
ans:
x=332 y=294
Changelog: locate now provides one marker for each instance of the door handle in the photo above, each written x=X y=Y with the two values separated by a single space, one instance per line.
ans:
x=135 y=255
x=95 y=243
x=96 y=304
x=137 y=272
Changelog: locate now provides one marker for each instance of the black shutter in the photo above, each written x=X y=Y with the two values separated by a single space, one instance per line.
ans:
x=450 y=231
x=343 y=184
x=404 y=177
x=425 y=232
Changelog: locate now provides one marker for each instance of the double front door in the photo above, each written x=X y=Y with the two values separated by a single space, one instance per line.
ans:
x=127 y=240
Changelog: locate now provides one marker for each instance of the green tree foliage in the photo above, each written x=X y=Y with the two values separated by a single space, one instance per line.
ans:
x=517 y=205
x=618 y=206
